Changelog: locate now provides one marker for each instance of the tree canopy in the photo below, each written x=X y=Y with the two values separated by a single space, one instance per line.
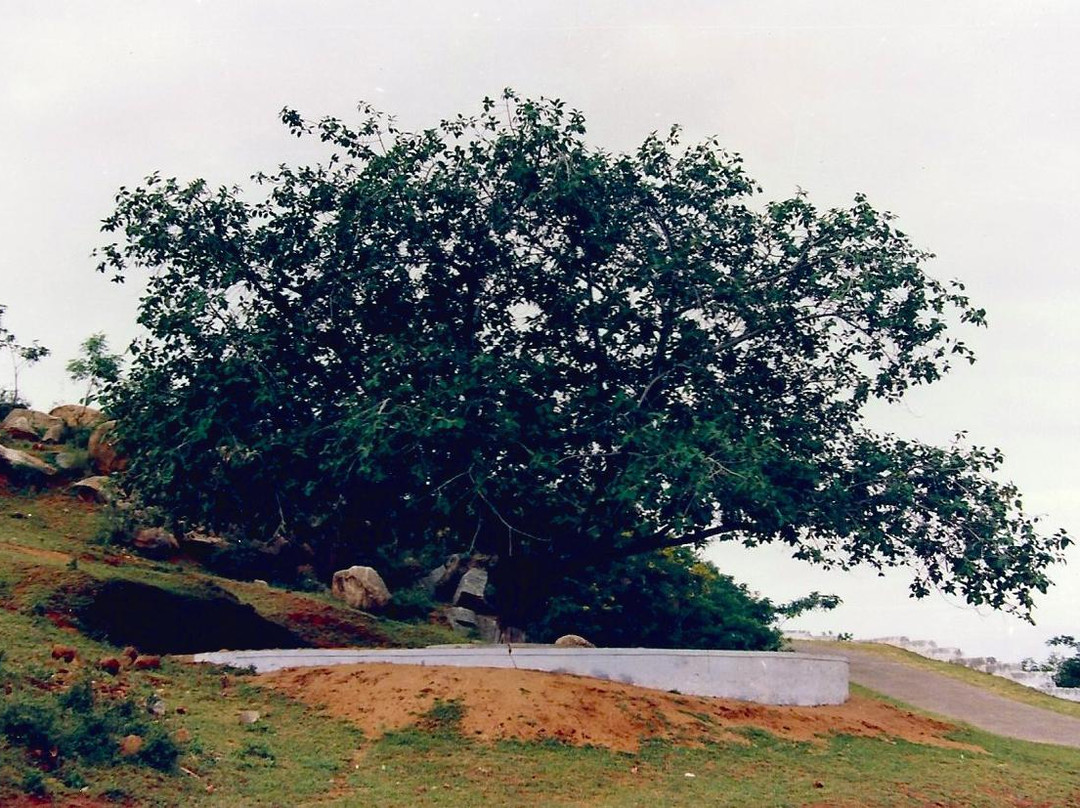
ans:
x=494 y=335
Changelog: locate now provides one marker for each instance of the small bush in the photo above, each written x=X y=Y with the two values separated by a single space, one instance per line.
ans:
x=1068 y=675
x=159 y=750
x=79 y=697
x=410 y=604
x=79 y=436
x=60 y=732
x=34 y=726
x=34 y=784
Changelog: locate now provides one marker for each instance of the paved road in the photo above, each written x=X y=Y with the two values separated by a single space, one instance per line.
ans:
x=954 y=699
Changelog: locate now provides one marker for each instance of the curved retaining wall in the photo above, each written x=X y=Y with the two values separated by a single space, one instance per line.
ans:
x=759 y=676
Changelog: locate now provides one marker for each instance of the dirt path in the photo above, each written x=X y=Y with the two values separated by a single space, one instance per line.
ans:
x=954 y=699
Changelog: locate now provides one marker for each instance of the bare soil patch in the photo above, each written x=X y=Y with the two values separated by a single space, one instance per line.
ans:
x=531 y=705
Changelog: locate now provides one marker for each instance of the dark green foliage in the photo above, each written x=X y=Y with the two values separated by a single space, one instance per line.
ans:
x=79 y=697
x=414 y=603
x=1068 y=675
x=493 y=335
x=665 y=599
x=1066 y=670
x=59 y=730
x=159 y=751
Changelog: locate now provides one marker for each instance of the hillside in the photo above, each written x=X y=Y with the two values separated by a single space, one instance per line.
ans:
x=375 y=736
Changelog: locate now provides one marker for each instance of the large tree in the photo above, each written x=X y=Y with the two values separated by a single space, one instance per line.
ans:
x=495 y=336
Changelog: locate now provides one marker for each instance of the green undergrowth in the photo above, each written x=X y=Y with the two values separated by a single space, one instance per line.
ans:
x=198 y=752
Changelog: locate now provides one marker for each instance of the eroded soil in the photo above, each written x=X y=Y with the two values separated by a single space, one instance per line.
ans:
x=531 y=705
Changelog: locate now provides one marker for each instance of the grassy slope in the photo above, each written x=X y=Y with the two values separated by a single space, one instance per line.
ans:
x=294 y=756
x=995 y=684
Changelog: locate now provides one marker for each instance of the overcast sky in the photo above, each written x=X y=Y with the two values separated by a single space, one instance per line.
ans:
x=963 y=118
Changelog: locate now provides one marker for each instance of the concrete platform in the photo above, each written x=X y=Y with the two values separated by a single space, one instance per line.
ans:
x=758 y=676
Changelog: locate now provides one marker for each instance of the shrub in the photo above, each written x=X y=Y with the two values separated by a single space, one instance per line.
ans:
x=667 y=599
x=413 y=603
x=60 y=730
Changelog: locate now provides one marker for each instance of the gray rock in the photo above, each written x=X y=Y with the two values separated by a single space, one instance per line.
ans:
x=28 y=424
x=77 y=415
x=487 y=626
x=361 y=587
x=155 y=542
x=443 y=576
x=461 y=619
x=55 y=433
x=470 y=589
x=573 y=641
x=24 y=464
x=93 y=489
x=248 y=716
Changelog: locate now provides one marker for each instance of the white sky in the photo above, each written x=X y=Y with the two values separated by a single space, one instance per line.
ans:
x=963 y=118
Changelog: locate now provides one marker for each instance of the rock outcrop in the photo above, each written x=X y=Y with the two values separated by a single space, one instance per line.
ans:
x=471 y=588
x=77 y=416
x=573 y=641
x=102 y=449
x=156 y=542
x=23 y=424
x=361 y=587
x=24 y=465
x=93 y=489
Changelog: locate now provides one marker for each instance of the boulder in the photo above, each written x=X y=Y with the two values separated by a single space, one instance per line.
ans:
x=442 y=577
x=26 y=424
x=361 y=587
x=24 y=464
x=55 y=434
x=487 y=626
x=93 y=489
x=470 y=589
x=573 y=641
x=155 y=542
x=461 y=619
x=76 y=416
x=102 y=449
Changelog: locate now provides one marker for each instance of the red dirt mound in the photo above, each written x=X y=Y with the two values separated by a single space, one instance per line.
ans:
x=530 y=705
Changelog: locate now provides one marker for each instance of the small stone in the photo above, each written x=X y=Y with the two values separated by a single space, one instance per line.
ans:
x=64 y=652
x=130 y=745
x=155 y=705
x=109 y=665
x=182 y=735
x=249 y=716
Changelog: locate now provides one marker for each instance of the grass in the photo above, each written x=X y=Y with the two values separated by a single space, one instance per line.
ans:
x=297 y=756
x=417 y=767
x=995 y=684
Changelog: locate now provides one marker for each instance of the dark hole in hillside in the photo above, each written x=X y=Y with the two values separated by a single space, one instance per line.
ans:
x=158 y=621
